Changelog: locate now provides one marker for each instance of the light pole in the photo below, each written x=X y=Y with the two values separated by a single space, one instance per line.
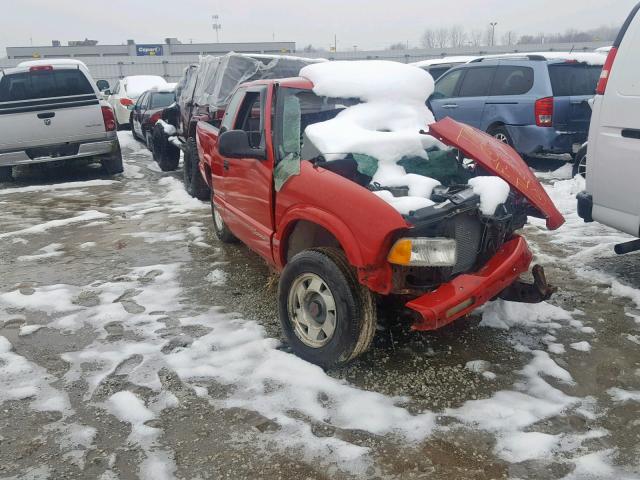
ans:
x=217 y=26
x=493 y=32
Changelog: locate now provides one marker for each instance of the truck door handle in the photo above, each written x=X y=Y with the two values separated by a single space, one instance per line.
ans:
x=46 y=115
x=450 y=105
x=225 y=164
x=631 y=133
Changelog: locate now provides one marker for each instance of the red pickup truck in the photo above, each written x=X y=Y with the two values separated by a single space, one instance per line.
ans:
x=339 y=246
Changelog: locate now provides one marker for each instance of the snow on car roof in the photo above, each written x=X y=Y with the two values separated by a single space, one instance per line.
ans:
x=444 y=60
x=52 y=61
x=135 y=85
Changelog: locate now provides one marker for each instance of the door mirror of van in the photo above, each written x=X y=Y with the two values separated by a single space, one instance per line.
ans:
x=106 y=92
x=103 y=85
x=235 y=144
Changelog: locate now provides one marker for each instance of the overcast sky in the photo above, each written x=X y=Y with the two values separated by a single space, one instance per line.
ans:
x=370 y=24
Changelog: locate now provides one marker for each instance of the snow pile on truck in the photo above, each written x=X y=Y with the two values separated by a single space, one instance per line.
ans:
x=386 y=126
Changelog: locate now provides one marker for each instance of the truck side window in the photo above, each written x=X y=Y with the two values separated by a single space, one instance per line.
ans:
x=232 y=109
x=250 y=118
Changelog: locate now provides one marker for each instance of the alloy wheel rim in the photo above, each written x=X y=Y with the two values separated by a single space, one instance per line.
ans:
x=312 y=310
x=582 y=166
x=501 y=137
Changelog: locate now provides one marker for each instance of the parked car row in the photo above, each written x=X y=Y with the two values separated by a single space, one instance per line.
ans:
x=536 y=103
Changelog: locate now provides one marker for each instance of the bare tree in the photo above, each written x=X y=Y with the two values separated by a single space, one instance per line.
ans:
x=475 y=37
x=442 y=37
x=457 y=36
x=398 y=46
x=428 y=39
x=509 y=38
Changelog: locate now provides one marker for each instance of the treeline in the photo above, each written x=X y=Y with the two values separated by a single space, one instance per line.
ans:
x=456 y=36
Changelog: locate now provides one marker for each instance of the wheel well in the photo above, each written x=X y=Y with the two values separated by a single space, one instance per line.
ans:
x=307 y=235
x=495 y=125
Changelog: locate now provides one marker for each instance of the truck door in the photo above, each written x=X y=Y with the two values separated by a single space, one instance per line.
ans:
x=248 y=182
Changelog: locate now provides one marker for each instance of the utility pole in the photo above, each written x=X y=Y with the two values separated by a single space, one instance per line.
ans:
x=335 y=42
x=493 y=32
x=217 y=26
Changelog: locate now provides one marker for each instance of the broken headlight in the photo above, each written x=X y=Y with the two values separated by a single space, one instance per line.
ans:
x=424 y=252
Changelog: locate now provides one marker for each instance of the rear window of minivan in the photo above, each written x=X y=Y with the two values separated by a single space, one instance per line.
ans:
x=569 y=79
x=43 y=84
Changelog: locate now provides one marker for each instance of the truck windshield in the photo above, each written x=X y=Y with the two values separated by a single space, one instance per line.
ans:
x=579 y=79
x=43 y=84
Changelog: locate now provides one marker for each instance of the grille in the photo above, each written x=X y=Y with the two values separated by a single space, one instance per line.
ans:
x=467 y=231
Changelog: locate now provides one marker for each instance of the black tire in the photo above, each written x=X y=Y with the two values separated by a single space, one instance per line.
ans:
x=194 y=184
x=501 y=134
x=113 y=163
x=6 y=174
x=580 y=163
x=165 y=153
x=355 y=307
x=220 y=227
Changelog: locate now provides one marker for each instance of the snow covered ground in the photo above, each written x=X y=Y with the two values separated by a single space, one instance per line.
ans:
x=133 y=344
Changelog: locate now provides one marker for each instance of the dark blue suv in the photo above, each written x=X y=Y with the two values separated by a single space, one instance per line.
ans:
x=538 y=105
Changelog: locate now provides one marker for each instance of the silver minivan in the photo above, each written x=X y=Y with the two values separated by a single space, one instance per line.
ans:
x=613 y=168
x=51 y=110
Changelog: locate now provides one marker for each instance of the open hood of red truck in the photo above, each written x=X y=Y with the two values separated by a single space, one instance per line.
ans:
x=500 y=159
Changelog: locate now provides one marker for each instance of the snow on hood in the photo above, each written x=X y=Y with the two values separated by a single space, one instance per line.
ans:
x=385 y=125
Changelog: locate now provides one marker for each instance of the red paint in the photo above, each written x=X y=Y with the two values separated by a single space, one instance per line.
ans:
x=501 y=160
x=364 y=225
x=497 y=274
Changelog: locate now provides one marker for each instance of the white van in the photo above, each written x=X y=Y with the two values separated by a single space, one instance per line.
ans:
x=50 y=110
x=613 y=168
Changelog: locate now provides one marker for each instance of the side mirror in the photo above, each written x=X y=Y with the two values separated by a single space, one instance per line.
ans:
x=106 y=92
x=235 y=144
x=102 y=85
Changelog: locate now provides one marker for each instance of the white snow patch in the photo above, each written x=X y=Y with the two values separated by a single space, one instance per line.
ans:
x=477 y=366
x=57 y=186
x=169 y=129
x=86 y=245
x=504 y=315
x=581 y=346
x=51 y=250
x=493 y=191
x=217 y=277
x=622 y=396
x=29 y=329
x=43 y=227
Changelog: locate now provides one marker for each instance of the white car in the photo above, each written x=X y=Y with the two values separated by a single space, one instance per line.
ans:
x=50 y=110
x=613 y=167
x=126 y=91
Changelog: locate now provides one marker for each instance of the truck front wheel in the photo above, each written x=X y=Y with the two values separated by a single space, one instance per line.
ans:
x=221 y=229
x=327 y=316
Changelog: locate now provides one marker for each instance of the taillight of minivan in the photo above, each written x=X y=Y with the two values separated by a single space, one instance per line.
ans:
x=606 y=71
x=126 y=102
x=109 y=119
x=544 y=112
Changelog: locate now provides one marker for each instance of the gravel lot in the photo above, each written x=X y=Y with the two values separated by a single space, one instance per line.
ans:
x=134 y=345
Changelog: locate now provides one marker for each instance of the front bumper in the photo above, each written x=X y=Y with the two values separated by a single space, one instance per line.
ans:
x=85 y=150
x=467 y=292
